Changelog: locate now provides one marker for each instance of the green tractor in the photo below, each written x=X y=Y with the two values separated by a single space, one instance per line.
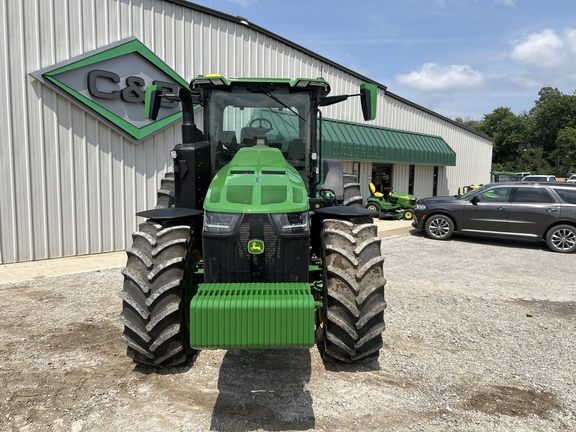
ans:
x=257 y=242
x=391 y=205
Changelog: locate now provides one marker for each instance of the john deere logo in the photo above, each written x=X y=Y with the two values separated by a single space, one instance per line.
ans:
x=255 y=247
x=111 y=82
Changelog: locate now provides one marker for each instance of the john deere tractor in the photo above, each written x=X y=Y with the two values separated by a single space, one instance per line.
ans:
x=257 y=242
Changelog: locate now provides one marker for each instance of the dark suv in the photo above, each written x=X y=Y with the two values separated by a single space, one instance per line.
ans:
x=545 y=211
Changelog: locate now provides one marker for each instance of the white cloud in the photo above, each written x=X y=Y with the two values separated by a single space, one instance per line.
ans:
x=571 y=39
x=432 y=76
x=543 y=49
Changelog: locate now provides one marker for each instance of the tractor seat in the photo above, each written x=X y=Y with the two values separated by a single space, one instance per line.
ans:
x=373 y=191
x=249 y=135
x=228 y=139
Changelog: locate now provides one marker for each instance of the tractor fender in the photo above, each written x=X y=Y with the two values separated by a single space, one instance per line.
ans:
x=344 y=212
x=170 y=213
x=347 y=213
x=333 y=177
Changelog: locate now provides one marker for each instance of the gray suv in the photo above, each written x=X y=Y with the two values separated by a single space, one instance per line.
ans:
x=544 y=211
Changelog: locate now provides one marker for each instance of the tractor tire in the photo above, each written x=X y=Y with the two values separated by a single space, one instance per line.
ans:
x=353 y=300
x=165 y=196
x=153 y=296
x=352 y=193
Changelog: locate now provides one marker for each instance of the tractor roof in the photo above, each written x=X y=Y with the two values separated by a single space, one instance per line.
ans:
x=217 y=81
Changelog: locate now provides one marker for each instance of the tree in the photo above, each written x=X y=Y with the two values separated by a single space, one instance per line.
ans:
x=542 y=140
x=467 y=121
x=510 y=133
x=553 y=112
x=564 y=155
x=531 y=160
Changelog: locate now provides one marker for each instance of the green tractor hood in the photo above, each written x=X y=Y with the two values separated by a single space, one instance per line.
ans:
x=257 y=180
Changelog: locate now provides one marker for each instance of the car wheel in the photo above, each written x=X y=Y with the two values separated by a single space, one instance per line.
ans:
x=439 y=227
x=562 y=238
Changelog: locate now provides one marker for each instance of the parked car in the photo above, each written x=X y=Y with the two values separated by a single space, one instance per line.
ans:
x=571 y=179
x=539 y=178
x=521 y=175
x=544 y=211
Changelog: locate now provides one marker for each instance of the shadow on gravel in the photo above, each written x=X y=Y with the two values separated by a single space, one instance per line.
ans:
x=172 y=370
x=362 y=366
x=264 y=391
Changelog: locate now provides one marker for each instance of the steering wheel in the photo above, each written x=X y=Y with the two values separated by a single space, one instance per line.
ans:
x=261 y=121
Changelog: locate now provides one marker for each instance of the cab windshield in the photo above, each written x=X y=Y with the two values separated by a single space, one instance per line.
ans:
x=243 y=118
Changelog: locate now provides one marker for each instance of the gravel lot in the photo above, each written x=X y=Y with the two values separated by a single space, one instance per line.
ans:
x=479 y=337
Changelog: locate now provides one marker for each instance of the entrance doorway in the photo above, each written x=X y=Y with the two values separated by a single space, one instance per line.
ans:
x=382 y=176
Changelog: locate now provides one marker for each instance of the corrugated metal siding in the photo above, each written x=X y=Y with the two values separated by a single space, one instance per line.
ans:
x=70 y=184
x=423 y=181
x=400 y=177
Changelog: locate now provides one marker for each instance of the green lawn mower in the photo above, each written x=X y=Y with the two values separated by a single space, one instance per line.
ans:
x=391 y=205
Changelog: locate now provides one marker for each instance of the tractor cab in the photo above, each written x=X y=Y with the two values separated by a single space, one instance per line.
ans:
x=273 y=113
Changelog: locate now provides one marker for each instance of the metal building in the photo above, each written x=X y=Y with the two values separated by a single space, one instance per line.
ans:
x=73 y=175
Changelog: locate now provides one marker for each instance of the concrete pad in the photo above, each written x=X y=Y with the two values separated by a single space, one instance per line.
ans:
x=33 y=270
x=390 y=227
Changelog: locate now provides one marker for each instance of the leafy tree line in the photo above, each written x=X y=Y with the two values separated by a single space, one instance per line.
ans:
x=542 y=141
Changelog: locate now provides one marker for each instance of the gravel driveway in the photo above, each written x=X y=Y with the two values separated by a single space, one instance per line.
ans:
x=480 y=336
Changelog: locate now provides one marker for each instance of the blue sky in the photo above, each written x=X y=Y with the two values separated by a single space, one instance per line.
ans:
x=457 y=57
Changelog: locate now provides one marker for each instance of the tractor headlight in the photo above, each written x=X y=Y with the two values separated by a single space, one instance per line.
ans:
x=291 y=223
x=221 y=223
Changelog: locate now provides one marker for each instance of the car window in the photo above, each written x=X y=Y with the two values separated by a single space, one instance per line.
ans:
x=533 y=195
x=501 y=194
x=568 y=195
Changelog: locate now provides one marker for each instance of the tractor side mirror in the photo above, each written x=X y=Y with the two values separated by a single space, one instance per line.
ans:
x=368 y=97
x=152 y=101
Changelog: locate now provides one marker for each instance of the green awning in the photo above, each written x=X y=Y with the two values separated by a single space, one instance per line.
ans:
x=361 y=142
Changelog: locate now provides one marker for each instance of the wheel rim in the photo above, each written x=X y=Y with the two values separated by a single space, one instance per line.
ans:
x=408 y=215
x=563 y=239
x=372 y=207
x=439 y=228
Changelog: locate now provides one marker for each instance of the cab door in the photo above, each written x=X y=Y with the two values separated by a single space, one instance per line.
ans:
x=488 y=211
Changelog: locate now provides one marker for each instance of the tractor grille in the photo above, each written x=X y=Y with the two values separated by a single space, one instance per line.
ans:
x=226 y=259
x=412 y=201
